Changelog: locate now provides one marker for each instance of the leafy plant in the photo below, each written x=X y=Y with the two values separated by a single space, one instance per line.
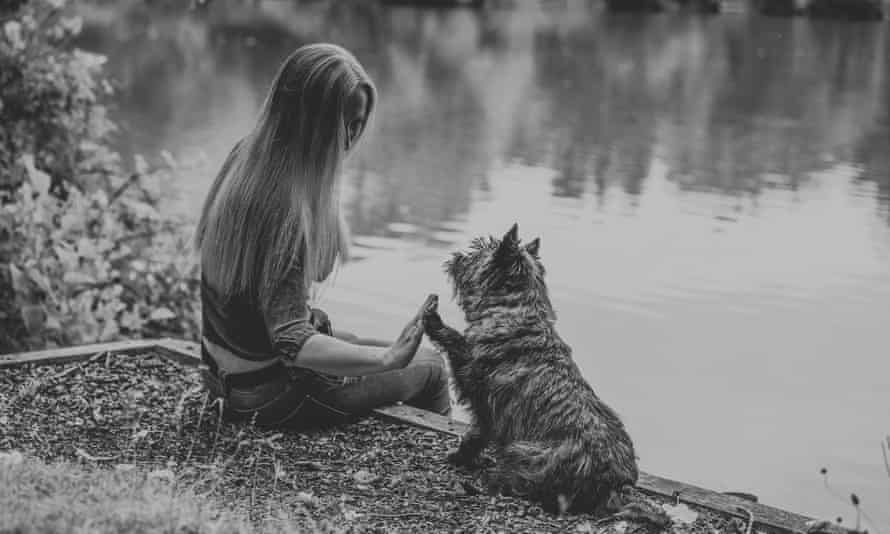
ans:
x=49 y=99
x=95 y=267
x=85 y=256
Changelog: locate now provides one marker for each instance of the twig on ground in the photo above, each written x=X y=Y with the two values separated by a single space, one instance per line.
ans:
x=80 y=453
x=256 y=454
x=396 y=516
x=188 y=455
x=180 y=407
x=219 y=402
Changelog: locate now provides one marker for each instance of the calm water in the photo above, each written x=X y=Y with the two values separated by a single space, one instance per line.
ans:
x=713 y=197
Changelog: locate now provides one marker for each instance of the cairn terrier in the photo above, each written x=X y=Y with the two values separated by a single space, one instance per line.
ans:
x=555 y=442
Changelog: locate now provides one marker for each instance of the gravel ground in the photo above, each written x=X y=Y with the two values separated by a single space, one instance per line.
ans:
x=145 y=413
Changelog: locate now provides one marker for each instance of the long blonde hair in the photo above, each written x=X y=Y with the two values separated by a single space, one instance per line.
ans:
x=274 y=203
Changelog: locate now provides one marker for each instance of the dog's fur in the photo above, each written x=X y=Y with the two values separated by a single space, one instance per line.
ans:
x=554 y=440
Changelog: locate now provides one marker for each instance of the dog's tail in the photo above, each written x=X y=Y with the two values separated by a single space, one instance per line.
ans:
x=575 y=474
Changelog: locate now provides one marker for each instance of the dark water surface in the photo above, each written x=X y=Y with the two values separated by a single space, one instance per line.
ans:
x=712 y=194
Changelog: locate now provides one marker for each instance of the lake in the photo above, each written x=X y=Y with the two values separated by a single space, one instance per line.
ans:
x=712 y=195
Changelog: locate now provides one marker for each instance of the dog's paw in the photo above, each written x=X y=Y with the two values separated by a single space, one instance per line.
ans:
x=431 y=303
x=494 y=483
x=460 y=458
x=431 y=319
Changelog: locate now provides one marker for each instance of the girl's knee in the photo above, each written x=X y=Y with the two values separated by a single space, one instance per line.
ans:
x=436 y=388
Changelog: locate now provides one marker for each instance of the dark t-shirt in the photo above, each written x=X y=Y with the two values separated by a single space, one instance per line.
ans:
x=247 y=329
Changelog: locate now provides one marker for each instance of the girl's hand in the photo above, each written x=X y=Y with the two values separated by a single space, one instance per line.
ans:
x=402 y=351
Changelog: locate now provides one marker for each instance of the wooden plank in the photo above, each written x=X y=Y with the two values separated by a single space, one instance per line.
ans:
x=73 y=354
x=400 y=413
x=184 y=352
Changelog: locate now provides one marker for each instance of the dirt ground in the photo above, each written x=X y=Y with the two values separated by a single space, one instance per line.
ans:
x=145 y=413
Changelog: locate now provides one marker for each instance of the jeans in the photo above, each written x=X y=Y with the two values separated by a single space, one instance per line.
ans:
x=295 y=402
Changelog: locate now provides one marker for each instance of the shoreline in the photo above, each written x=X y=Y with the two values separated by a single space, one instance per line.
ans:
x=435 y=432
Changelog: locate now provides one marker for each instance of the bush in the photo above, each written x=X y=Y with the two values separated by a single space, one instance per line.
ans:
x=85 y=256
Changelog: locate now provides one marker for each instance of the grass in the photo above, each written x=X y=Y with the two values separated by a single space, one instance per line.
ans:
x=36 y=496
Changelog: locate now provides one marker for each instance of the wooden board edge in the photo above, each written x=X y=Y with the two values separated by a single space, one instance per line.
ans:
x=400 y=413
x=76 y=353
x=184 y=352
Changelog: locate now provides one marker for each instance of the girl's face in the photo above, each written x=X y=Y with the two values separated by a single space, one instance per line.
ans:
x=356 y=116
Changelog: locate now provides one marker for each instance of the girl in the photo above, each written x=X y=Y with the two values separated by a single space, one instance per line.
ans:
x=270 y=228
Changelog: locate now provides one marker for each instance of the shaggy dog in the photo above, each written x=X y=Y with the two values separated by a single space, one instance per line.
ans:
x=554 y=440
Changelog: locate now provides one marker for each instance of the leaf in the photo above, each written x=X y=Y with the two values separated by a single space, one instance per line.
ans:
x=67 y=256
x=110 y=330
x=680 y=513
x=38 y=178
x=168 y=159
x=19 y=283
x=89 y=59
x=40 y=279
x=52 y=323
x=13 y=32
x=140 y=165
x=72 y=25
x=161 y=314
x=34 y=318
x=86 y=248
x=78 y=278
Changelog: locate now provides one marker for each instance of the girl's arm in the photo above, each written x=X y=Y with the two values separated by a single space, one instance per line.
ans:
x=330 y=355
x=349 y=337
x=300 y=345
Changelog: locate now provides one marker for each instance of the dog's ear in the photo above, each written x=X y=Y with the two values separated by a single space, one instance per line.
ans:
x=509 y=244
x=512 y=234
x=533 y=247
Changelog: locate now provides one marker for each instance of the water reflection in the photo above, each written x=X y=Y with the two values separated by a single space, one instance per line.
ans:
x=713 y=193
x=732 y=105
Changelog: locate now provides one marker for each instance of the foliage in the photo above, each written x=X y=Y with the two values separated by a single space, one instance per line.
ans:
x=85 y=256
x=95 y=268
x=49 y=96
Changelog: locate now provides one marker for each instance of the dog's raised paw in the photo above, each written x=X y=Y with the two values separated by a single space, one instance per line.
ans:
x=431 y=318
